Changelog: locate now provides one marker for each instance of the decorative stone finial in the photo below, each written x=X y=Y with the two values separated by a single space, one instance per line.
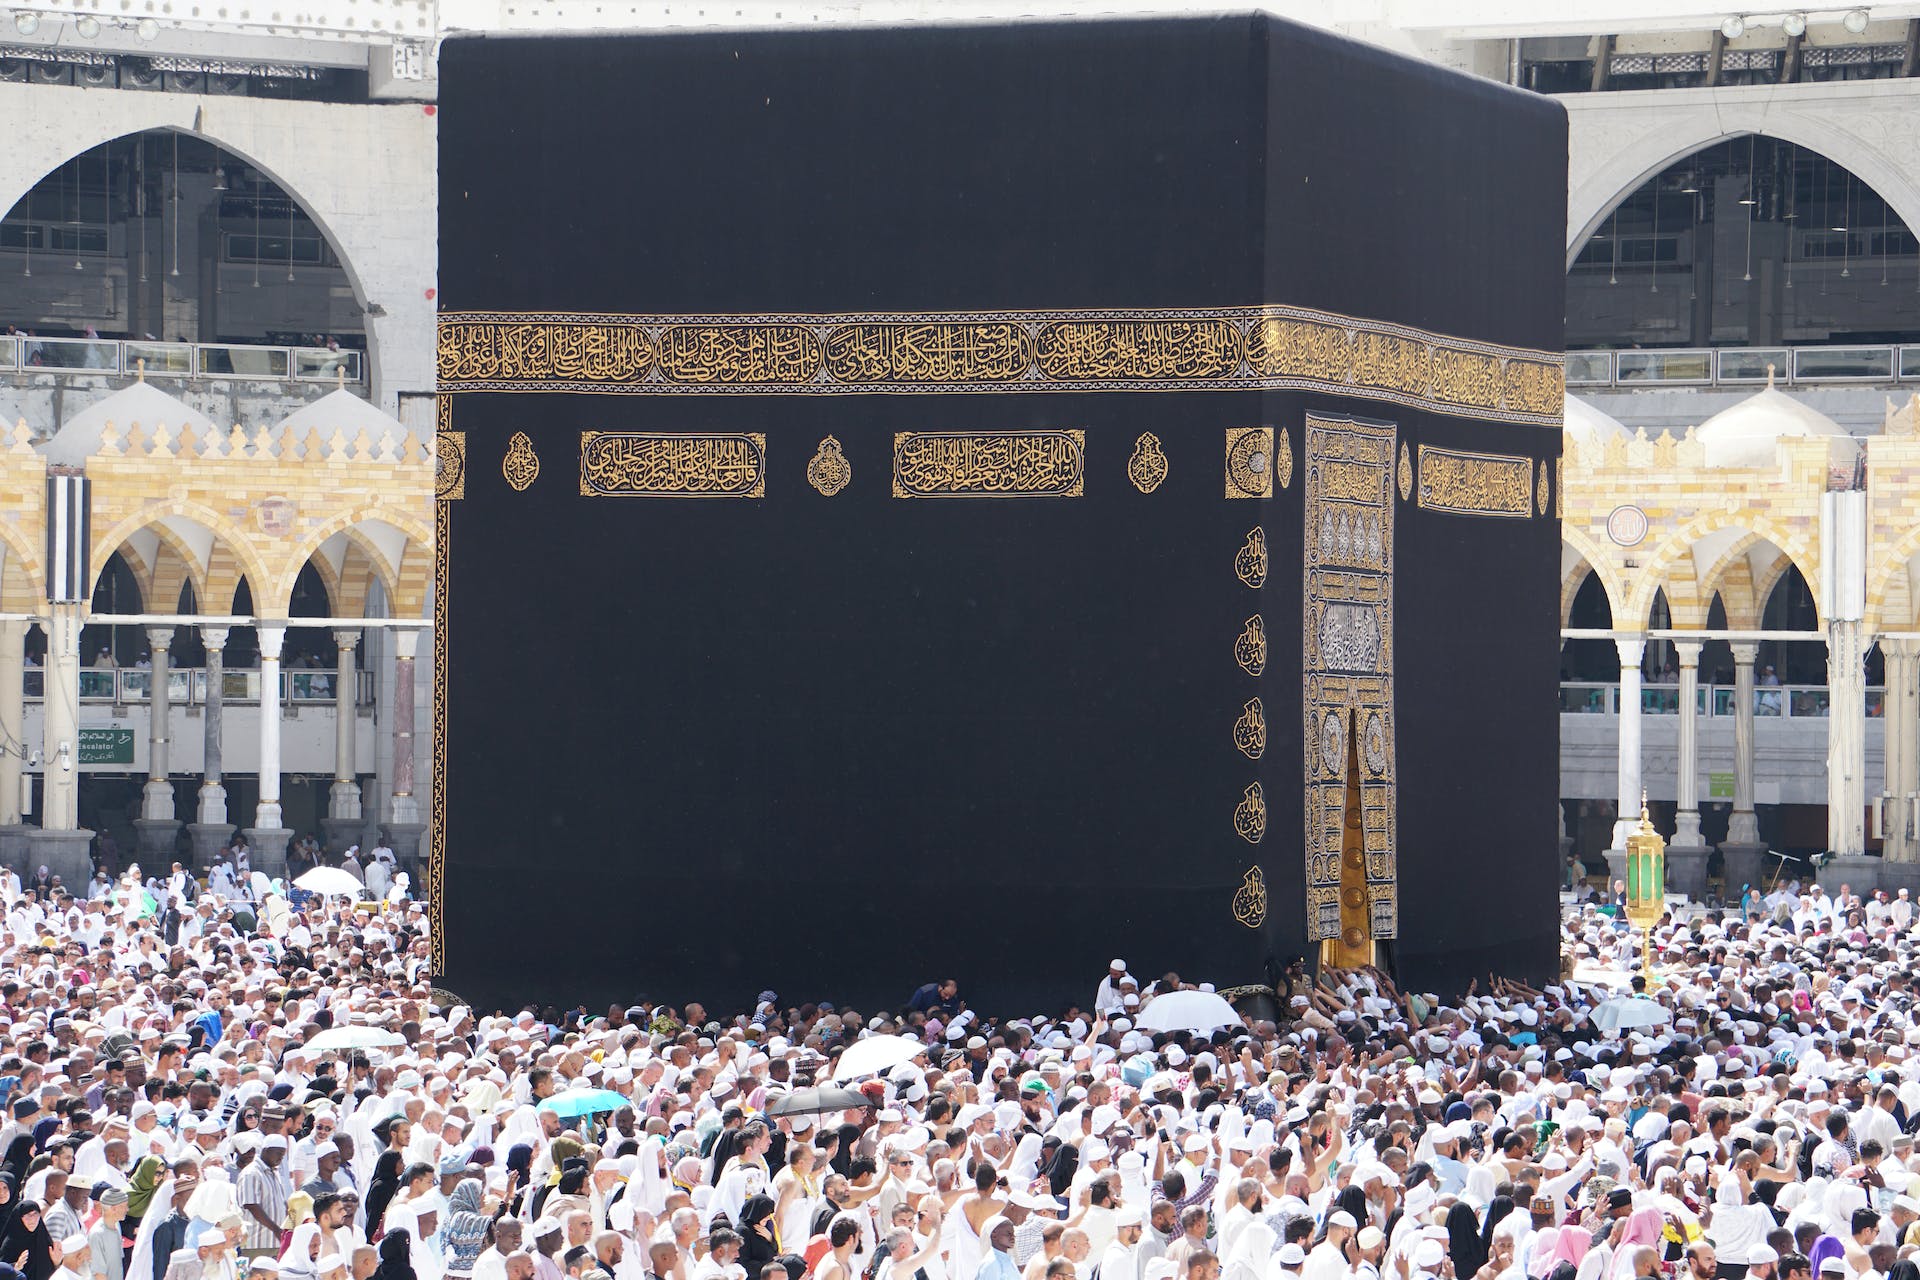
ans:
x=1769 y=375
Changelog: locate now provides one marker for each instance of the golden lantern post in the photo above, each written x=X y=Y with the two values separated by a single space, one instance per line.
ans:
x=1646 y=882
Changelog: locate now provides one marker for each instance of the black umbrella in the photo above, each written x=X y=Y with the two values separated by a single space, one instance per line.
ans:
x=807 y=1102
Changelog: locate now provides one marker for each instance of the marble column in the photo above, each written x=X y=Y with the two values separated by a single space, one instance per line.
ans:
x=60 y=842
x=344 y=820
x=1686 y=852
x=269 y=835
x=1900 y=726
x=1743 y=854
x=211 y=830
x=1627 y=815
x=1846 y=740
x=13 y=743
x=156 y=824
x=404 y=827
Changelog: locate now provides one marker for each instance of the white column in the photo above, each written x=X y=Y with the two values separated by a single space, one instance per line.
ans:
x=213 y=796
x=1742 y=826
x=157 y=800
x=343 y=800
x=1900 y=726
x=266 y=815
x=60 y=739
x=1628 y=814
x=13 y=652
x=402 y=807
x=1686 y=831
x=1846 y=740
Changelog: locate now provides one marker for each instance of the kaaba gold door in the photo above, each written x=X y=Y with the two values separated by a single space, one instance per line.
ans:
x=1354 y=946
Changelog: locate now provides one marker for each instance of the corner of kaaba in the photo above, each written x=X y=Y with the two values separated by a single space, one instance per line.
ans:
x=980 y=500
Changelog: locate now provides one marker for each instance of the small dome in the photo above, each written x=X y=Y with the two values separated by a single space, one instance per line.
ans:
x=1745 y=434
x=79 y=437
x=1588 y=425
x=341 y=410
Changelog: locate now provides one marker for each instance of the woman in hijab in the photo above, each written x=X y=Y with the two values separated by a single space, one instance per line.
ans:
x=1463 y=1240
x=1645 y=1227
x=26 y=1246
x=1497 y=1210
x=394 y=1261
x=381 y=1189
x=1060 y=1171
x=146 y=1179
x=1251 y=1253
x=1353 y=1200
x=463 y=1235
x=760 y=1244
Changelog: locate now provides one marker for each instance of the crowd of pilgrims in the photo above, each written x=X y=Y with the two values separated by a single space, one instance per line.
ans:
x=173 y=1111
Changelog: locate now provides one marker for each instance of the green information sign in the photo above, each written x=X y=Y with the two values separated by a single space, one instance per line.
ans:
x=105 y=746
x=1719 y=786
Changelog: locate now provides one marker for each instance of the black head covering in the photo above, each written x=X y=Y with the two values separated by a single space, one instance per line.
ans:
x=1463 y=1241
x=395 y=1263
x=757 y=1249
x=1497 y=1208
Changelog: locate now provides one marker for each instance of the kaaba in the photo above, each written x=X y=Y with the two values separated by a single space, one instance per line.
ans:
x=980 y=500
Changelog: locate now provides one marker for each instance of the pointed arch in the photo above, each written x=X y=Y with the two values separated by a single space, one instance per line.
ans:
x=1675 y=554
x=1890 y=584
x=415 y=532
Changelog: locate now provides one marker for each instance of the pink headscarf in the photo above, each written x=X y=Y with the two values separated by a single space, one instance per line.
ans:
x=1571 y=1247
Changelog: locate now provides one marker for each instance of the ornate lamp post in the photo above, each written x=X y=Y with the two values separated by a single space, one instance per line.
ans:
x=1646 y=882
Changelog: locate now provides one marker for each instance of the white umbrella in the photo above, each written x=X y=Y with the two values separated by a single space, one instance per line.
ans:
x=1187 y=1011
x=356 y=1038
x=877 y=1054
x=331 y=882
x=1623 y=1013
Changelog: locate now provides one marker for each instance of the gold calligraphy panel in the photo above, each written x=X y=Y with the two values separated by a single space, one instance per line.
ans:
x=1121 y=349
x=648 y=464
x=934 y=353
x=989 y=464
x=1476 y=484
x=606 y=350
x=1347 y=664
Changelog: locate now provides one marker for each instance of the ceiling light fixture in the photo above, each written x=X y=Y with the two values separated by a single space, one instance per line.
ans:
x=1794 y=24
x=1855 y=21
x=1733 y=28
x=146 y=29
x=88 y=27
x=26 y=23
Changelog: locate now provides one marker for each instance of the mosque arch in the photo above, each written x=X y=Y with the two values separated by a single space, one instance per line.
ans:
x=130 y=207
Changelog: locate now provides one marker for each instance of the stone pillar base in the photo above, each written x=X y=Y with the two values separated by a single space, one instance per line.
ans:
x=1894 y=876
x=341 y=832
x=209 y=838
x=1687 y=871
x=67 y=854
x=158 y=839
x=1746 y=864
x=405 y=841
x=13 y=847
x=269 y=845
x=1858 y=870
x=1616 y=869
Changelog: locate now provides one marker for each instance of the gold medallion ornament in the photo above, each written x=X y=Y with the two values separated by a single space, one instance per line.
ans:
x=1250 y=899
x=1540 y=495
x=1250 y=649
x=1283 y=458
x=450 y=465
x=1250 y=565
x=1250 y=730
x=828 y=470
x=1406 y=474
x=1147 y=466
x=1250 y=462
x=521 y=466
x=1250 y=815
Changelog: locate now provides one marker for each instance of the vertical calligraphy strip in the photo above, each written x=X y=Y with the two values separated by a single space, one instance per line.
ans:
x=1347 y=663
